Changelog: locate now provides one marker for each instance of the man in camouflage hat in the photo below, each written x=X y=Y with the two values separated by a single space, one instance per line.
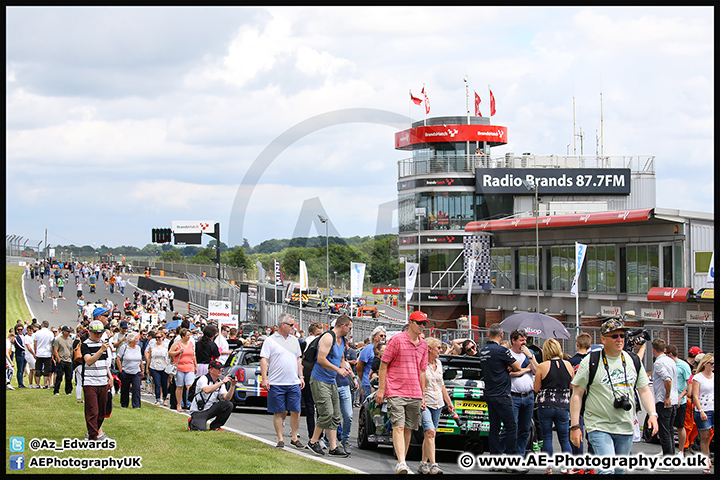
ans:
x=610 y=403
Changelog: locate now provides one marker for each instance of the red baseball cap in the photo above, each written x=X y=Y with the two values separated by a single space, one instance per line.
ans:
x=694 y=351
x=418 y=316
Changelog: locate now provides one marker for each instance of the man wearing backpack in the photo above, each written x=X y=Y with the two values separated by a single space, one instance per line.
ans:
x=212 y=399
x=330 y=362
x=610 y=403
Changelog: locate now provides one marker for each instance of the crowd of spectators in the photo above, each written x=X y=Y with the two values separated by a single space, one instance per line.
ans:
x=520 y=380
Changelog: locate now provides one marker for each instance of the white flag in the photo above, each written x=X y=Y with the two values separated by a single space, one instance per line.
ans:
x=303 y=277
x=580 y=251
x=471 y=274
x=357 y=276
x=411 y=271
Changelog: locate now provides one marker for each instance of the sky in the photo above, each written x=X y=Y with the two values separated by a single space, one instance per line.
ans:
x=120 y=120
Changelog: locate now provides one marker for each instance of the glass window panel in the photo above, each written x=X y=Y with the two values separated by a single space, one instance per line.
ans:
x=678 y=261
x=565 y=280
x=653 y=266
x=632 y=269
x=601 y=269
x=591 y=268
x=642 y=269
x=611 y=266
x=555 y=268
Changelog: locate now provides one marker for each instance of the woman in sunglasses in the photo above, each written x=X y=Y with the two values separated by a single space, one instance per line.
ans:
x=703 y=395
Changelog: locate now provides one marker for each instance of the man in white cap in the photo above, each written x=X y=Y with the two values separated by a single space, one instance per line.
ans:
x=365 y=360
x=96 y=379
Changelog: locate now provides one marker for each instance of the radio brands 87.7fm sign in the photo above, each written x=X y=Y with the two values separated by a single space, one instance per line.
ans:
x=553 y=181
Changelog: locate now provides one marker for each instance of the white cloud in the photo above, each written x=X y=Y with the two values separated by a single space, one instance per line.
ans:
x=168 y=108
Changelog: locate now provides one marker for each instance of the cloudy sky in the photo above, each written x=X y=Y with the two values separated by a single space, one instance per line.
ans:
x=120 y=120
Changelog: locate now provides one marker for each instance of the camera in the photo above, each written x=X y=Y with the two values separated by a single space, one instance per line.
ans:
x=636 y=338
x=622 y=402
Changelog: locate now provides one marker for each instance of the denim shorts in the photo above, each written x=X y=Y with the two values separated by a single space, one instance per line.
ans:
x=283 y=398
x=431 y=418
x=707 y=424
x=184 y=379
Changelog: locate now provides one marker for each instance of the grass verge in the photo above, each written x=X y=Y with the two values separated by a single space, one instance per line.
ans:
x=155 y=435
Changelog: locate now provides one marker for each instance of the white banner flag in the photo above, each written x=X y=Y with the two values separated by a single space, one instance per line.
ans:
x=303 y=276
x=580 y=251
x=411 y=271
x=357 y=276
x=471 y=274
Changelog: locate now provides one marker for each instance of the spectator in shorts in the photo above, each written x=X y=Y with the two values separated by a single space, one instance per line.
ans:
x=182 y=353
x=402 y=383
x=330 y=362
x=43 y=340
x=436 y=396
x=703 y=395
x=281 y=370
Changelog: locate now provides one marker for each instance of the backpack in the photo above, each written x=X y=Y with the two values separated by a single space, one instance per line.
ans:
x=77 y=354
x=311 y=352
x=201 y=400
x=595 y=361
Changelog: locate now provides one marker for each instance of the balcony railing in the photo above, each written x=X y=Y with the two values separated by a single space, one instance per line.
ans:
x=453 y=164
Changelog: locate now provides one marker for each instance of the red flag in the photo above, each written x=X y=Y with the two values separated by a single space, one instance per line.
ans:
x=427 y=101
x=477 y=105
x=416 y=100
x=492 y=103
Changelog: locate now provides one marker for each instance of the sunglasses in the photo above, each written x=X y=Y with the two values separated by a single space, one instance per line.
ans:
x=615 y=336
x=422 y=324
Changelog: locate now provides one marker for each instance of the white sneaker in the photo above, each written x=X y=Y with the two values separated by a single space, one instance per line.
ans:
x=424 y=468
x=402 y=469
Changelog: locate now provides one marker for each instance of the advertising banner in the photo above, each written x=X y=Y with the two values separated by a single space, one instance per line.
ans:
x=220 y=311
x=580 y=251
x=411 y=270
x=553 y=181
x=357 y=277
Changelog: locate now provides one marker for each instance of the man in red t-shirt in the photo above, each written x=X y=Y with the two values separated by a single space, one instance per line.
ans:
x=402 y=381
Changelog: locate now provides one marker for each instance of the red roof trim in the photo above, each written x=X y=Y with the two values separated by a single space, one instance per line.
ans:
x=660 y=294
x=574 y=220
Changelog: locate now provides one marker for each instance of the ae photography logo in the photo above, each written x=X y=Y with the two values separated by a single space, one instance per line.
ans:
x=468 y=461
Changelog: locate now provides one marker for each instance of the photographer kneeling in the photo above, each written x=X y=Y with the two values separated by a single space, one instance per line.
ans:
x=212 y=399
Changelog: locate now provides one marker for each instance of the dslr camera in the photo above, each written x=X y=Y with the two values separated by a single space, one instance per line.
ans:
x=622 y=401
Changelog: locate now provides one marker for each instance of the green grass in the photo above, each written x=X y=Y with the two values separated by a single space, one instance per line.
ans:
x=155 y=434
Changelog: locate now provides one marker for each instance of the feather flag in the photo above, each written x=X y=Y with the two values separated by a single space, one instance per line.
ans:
x=477 y=105
x=492 y=103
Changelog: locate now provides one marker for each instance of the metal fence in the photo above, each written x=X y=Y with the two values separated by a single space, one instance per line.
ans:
x=228 y=273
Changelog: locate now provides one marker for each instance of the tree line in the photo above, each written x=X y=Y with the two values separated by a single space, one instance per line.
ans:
x=379 y=253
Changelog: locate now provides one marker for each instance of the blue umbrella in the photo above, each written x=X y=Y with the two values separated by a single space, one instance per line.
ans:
x=172 y=325
x=536 y=325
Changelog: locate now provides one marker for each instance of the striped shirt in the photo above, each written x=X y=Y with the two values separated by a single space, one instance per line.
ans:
x=405 y=362
x=95 y=375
